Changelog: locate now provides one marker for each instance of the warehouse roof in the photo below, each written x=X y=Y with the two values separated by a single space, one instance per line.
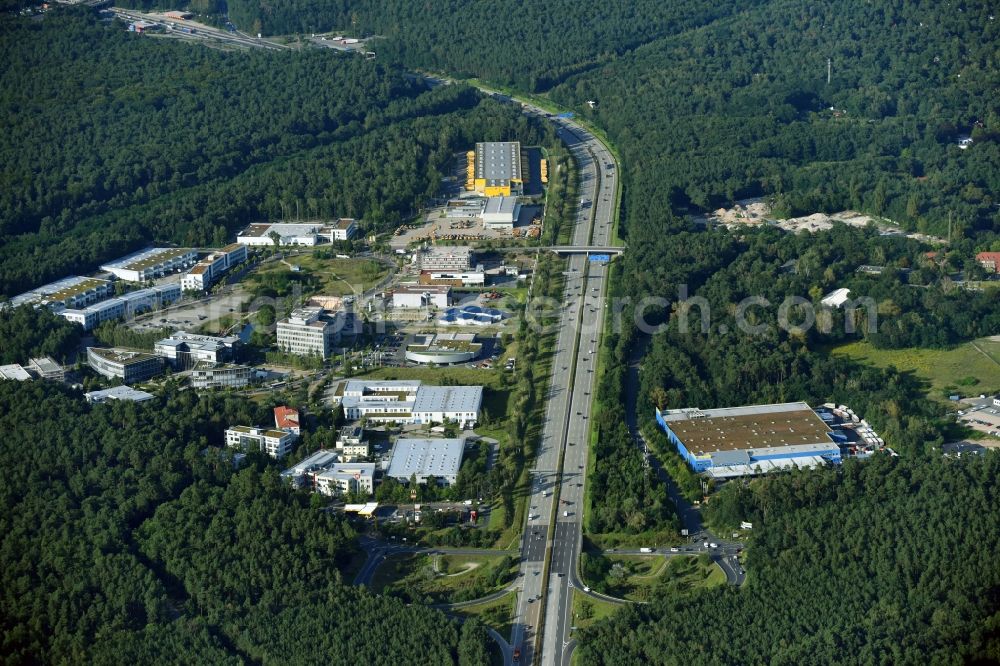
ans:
x=704 y=432
x=448 y=399
x=425 y=457
x=118 y=393
x=147 y=258
x=497 y=205
x=498 y=161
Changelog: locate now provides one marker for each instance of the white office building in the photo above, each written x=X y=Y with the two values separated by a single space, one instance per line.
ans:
x=275 y=443
x=126 y=306
x=438 y=459
x=151 y=263
x=351 y=443
x=347 y=478
x=14 y=372
x=309 y=331
x=208 y=271
x=221 y=376
x=184 y=350
x=341 y=230
x=307 y=234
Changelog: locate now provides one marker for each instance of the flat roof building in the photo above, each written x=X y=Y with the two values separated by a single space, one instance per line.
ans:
x=443 y=348
x=208 y=271
x=70 y=292
x=408 y=401
x=275 y=443
x=739 y=441
x=118 y=393
x=211 y=376
x=421 y=295
x=352 y=444
x=310 y=331
x=183 y=350
x=47 y=368
x=448 y=403
x=501 y=213
x=342 y=229
x=439 y=459
x=151 y=263
x=287 y=233
x=498 y=168
x=129 y=366
x=14 y=372
x=125 y=306
x=445 y=258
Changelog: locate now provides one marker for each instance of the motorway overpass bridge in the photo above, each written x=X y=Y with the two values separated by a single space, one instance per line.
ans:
x=560 y=249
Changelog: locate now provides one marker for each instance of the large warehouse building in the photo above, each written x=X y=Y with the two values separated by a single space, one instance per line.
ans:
x=498 y=169
x=424 y=459
x=740 y=441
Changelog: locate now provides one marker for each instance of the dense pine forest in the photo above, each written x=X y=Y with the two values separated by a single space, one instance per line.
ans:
x=888 y=561
x=115 y=140
x=125 y=540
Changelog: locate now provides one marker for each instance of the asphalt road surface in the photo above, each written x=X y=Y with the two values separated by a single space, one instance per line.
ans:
x=567 y=417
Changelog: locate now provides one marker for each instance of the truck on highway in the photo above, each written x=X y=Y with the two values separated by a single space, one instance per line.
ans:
x=645 y=550
x=517 y=654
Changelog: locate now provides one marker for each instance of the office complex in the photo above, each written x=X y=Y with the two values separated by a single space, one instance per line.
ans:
x=70 y=292
x=126 y=306
x=323 y=473
x=420 y=295
x=739 y=441
x=408 y=401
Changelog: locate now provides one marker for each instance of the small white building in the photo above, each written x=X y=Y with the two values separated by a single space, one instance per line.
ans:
x=347 y=478
x=836 y=298
x=287 y=234
x=341 y=230
x=351 y=443
x=421 y=295
x=275 y=443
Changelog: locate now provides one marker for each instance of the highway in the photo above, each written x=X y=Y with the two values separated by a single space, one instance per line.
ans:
x=554 y=524
x=200 y=32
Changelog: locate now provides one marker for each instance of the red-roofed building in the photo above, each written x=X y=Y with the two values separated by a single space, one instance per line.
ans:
x=989 y=260
x=287 y=419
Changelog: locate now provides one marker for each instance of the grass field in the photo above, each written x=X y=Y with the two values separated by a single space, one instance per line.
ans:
x=498 y=614
x=643 y=577
x=321 y=276
x=970 y=368
x=428 y=578
x=587 y=610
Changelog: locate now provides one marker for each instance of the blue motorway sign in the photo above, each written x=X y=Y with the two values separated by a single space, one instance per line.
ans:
x=600 y=257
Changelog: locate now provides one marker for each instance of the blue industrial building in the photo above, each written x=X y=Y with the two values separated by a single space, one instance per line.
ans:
x=740 y=441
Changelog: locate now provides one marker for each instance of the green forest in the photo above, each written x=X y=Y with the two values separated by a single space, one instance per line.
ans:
x=113 y=141
x=886 y=561
x=128 y=537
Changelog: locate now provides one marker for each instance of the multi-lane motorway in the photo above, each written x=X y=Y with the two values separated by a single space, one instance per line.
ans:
x=554 y=525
